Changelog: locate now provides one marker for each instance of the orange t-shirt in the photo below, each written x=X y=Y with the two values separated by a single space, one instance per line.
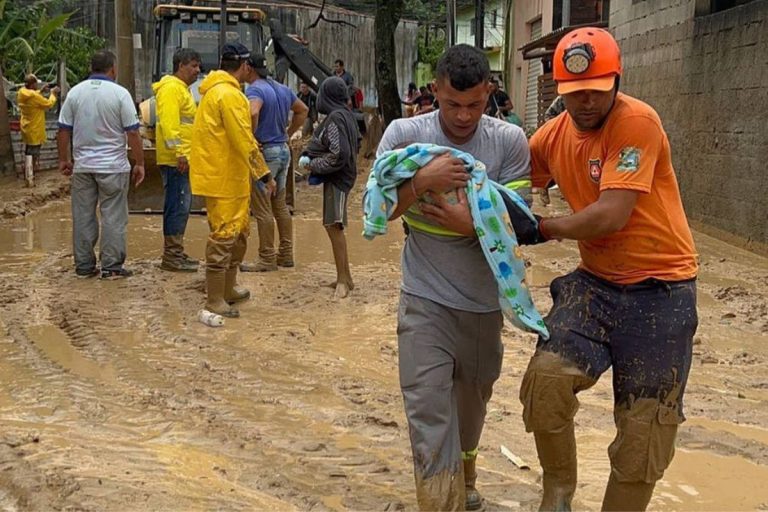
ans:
x=629 y=152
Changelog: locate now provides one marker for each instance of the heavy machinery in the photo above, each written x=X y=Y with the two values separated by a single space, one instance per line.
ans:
x=197 y=25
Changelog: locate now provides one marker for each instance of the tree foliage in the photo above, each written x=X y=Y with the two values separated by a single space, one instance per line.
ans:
x=34 y=38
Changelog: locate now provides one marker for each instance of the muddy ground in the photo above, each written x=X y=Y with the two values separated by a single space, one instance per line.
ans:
x=113 y=396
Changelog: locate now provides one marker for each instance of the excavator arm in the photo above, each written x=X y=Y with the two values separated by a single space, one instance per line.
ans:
x=292 y=54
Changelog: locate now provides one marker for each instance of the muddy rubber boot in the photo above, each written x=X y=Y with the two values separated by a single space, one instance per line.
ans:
x=259 y=266
x=627 y=495
x=261 y=205
x=473 y=501
x=557 y=455
x=233 y=293
x=284 y=230
x=173 y=256
x=215 y=282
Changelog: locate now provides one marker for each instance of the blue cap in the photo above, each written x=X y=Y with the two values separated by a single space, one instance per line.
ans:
x=234 y=51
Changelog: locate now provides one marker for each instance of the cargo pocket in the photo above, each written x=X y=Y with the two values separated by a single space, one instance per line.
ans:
x=645 y=441
x=549 y=401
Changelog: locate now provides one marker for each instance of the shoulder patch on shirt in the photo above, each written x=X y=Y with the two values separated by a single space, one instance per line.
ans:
x=629 y=160
x=595 y=170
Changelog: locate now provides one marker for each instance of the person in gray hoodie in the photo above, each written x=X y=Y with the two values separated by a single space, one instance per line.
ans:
x=331 y=158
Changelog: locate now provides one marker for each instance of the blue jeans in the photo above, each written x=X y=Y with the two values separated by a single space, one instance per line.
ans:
x=178 y=200
x=277 y=157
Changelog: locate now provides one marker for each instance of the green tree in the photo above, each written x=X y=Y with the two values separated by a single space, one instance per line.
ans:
x=388 y=15
x=32 y=40
x=74 y=46
x=431 y=17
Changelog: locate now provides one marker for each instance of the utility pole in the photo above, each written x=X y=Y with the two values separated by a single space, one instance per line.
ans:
x=450 y=23
x=222 y=26
x=480 y=24
x=124 y=40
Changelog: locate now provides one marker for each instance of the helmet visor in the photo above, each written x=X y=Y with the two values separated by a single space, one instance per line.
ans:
x=603 y=83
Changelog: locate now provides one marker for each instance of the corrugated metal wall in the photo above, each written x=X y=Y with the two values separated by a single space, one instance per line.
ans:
x=534 y=70
x=355 y=46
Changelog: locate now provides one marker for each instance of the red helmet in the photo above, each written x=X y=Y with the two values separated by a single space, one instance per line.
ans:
x=586 y=58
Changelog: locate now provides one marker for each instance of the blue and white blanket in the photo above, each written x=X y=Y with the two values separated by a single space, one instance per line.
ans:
x=489 y=215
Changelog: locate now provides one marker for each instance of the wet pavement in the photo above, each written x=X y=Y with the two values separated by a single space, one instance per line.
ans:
x=113 y=396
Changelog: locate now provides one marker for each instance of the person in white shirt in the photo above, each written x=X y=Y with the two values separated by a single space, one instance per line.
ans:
x=97 y=118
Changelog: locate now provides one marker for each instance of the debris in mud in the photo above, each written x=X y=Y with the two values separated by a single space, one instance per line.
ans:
x=28 y=200
x=383 y=423
x=313 y=447
x=514 y=459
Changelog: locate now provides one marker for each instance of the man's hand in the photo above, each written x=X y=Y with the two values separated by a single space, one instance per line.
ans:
x=443 y=174
x=138 y=175
x=56 y=90
x=455 y=217
x=65 y=167
x=182 y=164
x=270 y=189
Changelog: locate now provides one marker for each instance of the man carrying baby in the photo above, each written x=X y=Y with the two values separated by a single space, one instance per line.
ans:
x=449 y=318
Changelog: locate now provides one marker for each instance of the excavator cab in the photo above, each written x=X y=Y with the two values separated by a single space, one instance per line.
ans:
x=197 y=26
x=187 y=26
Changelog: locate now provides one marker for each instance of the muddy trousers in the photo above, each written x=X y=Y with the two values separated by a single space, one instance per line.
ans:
x=449 y=361
x=227 y=242
x=271 y=210
x=176 y=208
x=645 y=332
x=108 y=191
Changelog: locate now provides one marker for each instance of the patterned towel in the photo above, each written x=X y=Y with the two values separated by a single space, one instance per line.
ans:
x=489 y=215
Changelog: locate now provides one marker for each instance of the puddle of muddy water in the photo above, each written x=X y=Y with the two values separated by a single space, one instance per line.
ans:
x=54 y=343
x=696 y=480
x=50 y=229
x=747 y=432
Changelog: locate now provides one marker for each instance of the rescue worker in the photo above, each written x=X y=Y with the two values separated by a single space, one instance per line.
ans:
x=33 y=105
x=631 y=304
x=449 y=321
x=271 y=104
x=223 y=158
x=175 y=115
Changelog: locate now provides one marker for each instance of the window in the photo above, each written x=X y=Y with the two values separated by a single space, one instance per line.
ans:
x=705 y=7
x=472 y=23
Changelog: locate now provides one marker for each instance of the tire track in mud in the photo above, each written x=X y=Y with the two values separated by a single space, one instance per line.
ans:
x=288 y=406
x=86 y=328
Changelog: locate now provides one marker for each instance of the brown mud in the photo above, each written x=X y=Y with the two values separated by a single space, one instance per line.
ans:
x=113 y=397
x=18 y=200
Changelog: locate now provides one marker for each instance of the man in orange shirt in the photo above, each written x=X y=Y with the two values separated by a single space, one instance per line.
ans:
x=631 y=304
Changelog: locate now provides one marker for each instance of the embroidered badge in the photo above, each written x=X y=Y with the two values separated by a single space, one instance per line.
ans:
x=629 y=160
x=595 y=170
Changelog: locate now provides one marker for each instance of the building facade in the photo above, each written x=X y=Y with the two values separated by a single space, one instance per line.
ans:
x=703 y=65
x=493 y=31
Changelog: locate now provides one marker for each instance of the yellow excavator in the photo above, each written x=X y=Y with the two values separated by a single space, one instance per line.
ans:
x=197 y=25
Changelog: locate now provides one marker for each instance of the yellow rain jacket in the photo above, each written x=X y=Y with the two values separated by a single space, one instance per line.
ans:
x=224 y=153
x=33 y=105
x=175 y=115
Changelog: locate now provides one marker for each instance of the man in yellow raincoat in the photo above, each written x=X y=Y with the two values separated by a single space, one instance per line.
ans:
x=223 y=158
x=175 y=115
x=33 y=105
